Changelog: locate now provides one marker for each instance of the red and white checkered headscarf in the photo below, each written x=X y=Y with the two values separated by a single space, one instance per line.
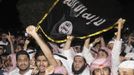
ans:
x=100 y=63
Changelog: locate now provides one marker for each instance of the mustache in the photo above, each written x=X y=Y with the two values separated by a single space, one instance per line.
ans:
x=80 y=70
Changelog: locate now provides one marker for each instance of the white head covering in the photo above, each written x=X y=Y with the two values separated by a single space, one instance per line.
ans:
x=2 y=43
x=111 y=42
x=127 y=64
x=31 y=53
x=79 y=54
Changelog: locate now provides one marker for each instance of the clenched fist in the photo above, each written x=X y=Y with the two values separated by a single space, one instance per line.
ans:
x=31 y=30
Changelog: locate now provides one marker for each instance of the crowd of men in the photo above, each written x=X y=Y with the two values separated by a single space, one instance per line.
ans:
x=19 y=55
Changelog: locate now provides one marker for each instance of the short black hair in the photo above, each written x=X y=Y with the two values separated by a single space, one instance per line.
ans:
x=22 y=52
x=38 y=53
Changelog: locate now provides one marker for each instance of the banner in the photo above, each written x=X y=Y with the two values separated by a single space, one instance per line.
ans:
x=80 y=18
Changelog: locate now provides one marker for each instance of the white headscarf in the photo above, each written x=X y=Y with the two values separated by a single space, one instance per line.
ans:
x=127 y=64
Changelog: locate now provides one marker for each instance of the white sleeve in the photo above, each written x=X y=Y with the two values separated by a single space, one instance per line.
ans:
x=68 y=53
x=128 y=48
x=68 y=63
x=116 y=56
x=87 y=55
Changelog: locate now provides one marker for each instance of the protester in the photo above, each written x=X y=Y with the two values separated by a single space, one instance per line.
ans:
x=94 y=57
x=23 y=64
x=126 y=68
x=45 y=62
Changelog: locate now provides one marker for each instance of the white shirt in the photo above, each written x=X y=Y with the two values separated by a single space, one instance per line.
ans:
x=16 y=72
x=115 y=56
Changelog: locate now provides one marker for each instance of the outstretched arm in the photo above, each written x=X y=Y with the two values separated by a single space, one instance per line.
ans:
x=103 y=44
x=86 y=43
x=46 y=50
x=10 y=41
x=67 y=51
x=26 y=44
x=117 y=48
x=87 y=51
x=68 y=42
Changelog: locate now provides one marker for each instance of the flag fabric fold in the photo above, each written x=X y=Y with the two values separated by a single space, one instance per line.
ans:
x=81 y=18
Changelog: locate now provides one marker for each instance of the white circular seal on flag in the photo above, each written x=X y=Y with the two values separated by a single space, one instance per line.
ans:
x=66 y=27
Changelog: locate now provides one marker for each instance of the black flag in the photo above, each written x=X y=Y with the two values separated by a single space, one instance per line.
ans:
x=81 y=18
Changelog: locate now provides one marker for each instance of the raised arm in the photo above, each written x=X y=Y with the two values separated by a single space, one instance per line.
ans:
x=46 y=50
x=26 y=44
x=103 y=44
x=117 y=48
x=67 y=51
x=96 y=41
x=87 y=51
x=68 y=43
x=11 y=42
x=86 y=43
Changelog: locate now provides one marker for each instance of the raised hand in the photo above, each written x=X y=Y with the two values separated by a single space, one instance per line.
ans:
x=9 y=37
x=69 y=37
x=31 y=30
x=97 y=40
x=120 y=23
x=27 y=41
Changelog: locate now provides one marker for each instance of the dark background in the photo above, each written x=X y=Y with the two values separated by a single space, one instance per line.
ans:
x=15 y=15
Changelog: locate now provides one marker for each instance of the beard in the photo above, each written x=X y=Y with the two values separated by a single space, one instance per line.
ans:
x=80 y=70
x=23 y=68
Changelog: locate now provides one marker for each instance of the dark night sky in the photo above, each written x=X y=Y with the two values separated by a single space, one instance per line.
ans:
x=10 y=19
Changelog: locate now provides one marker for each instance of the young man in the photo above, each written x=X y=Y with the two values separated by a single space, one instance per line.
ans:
x=80 y=65
x=44 y=67
x=101 y=65
x=23 y=64
x=45 y=61
x=77 y=62
x=126 y=68
x=41 y=63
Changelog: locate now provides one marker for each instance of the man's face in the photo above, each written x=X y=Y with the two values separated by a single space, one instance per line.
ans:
x=110 y=46
x=18 y=48
x=1 y=50
x=125 y=71
x=102 y=54
x=78 y=62
x=23 y=62
x=102 y=71
x=4 y=36
x=42 y=63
